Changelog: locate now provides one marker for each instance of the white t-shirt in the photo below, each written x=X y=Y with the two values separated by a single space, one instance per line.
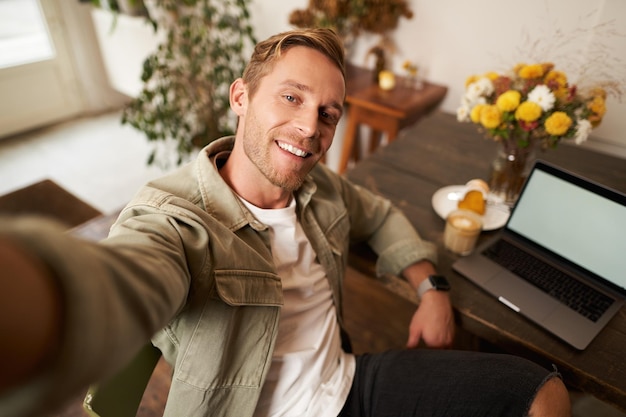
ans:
x=310 y=374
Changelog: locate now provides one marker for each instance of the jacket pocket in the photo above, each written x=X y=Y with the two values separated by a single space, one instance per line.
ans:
x=233 y=335
x=239 y=287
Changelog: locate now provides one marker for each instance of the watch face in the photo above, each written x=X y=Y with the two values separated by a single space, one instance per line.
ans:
x=440 y=282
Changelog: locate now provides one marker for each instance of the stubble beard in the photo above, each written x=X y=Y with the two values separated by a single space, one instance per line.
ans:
x=260 y=156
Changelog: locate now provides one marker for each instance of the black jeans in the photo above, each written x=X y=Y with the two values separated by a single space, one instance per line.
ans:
x=425 y=382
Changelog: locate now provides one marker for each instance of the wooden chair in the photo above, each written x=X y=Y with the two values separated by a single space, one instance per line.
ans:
x=121 y=395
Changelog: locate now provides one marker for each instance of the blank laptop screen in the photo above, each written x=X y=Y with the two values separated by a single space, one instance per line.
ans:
x=582 y=227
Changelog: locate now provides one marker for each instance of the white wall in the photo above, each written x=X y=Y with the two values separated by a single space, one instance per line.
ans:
x=453 y=39
x=97 y=95
x=123 y=60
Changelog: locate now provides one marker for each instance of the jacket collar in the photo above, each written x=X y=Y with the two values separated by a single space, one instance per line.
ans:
x=220 y=200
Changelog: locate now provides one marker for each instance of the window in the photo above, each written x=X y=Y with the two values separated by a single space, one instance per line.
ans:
x=23 y=33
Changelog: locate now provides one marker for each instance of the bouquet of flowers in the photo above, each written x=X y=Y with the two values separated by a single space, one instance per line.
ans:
x=534 y=103
x=533 y=106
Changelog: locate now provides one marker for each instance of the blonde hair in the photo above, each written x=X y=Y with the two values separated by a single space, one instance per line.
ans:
x=267 y=52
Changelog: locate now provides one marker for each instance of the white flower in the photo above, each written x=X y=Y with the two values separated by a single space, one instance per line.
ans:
x=583 y=129
x=465 y=108
x=481 y=87
x=463 y=114
x=542 y=95
x=481 y=100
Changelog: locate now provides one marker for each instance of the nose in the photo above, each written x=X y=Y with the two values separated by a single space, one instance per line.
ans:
x=307 y=123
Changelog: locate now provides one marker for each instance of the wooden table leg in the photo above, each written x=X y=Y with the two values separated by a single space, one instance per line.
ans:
x=392 y=133
x=348 y=140
x=376 y=136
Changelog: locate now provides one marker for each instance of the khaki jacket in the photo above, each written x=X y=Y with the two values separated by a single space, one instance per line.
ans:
x=187 y=257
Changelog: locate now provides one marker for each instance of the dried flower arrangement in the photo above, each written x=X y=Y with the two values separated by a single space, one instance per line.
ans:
x=351 y=17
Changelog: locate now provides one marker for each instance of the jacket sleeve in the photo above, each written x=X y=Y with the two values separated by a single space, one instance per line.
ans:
x=386 y=229
x=117 y=293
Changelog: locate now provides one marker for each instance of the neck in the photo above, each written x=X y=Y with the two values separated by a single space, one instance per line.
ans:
x=246 y=181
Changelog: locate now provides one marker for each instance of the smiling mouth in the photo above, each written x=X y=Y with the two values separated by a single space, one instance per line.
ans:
x=293 y=150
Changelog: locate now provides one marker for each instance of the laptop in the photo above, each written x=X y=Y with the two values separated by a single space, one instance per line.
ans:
x=560 y=259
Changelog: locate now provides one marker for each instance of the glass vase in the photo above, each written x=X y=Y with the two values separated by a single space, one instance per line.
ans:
x=510 y=169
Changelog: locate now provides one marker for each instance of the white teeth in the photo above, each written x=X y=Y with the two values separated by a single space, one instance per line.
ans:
x=291 y=149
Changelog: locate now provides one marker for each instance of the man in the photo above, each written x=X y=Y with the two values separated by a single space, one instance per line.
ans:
x=234 y=266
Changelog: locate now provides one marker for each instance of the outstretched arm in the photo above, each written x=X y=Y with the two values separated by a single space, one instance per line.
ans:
x=75 y=311
x=31 y=314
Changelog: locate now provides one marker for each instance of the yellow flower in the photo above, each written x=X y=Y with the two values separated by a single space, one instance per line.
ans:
x=528 y=111
x=490 y=116
x=599 y=91
x=509 y=100
x=557 y=77
x=547 y=67
x=558 y=123
x=595 y=120
x=597 y=106
x=471 y=79
x=531 y=71
x=409 y=67
x=518 y=67
x=557 y=81
x=492 y=75
x=475 y=113
x=561 y=93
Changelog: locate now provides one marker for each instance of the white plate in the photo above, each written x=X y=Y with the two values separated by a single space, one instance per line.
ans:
x=446 y=199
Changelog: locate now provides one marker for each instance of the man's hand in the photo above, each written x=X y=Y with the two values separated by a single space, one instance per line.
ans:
x=433 y=322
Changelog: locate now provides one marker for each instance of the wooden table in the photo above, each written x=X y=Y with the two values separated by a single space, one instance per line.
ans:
x=383 y=111
x=440 y=151
x=47 y=198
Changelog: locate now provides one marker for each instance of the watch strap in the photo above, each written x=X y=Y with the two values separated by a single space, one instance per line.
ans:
x=430 y=284
x=424 y=286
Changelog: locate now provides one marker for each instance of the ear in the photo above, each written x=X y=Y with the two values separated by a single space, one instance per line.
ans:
x=238 y=97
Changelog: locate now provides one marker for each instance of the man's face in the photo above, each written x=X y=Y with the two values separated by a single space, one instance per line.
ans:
x=289 y=123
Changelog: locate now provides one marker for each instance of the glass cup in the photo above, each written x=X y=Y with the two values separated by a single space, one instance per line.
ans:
x=462 y=230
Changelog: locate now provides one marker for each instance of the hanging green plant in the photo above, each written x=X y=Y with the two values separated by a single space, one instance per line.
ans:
x=185 y=98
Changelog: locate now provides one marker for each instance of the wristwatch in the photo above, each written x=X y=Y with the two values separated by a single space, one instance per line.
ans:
x=433 y=282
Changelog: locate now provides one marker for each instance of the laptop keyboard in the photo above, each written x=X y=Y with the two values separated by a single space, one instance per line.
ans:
x=571 y=292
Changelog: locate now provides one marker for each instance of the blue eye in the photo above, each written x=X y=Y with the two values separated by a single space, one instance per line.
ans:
x=329 y=117
x=290 y=98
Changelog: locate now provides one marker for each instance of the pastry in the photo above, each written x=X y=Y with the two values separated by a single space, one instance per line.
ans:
x=474 y=198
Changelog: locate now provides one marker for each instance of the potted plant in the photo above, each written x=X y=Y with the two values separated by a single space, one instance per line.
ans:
x=129 y=7
x=185 y=97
